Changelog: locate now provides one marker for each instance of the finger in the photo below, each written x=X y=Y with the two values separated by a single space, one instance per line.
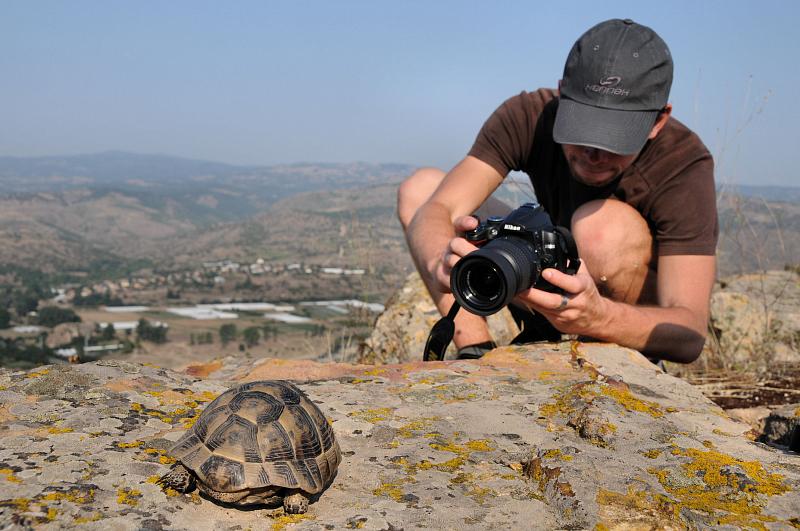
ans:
x=544 y=301
x=461 y=247
x=450 y=261
x=465 y=223
x=568 y=283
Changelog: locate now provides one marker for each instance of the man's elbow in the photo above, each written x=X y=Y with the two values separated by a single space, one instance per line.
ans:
x=675 y=343
x=691 y=349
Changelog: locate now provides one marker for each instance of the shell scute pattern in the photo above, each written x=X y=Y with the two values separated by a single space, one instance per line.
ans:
x=261 y=434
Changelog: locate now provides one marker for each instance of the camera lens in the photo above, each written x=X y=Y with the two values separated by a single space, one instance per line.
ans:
x=483 y=281
x=487 y=279
x=478 y=284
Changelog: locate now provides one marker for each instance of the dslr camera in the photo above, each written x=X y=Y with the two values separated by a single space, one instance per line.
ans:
x=514 y=250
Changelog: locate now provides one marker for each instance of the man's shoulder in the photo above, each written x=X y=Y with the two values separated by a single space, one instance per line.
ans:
x=531 y=102
x=677 y=135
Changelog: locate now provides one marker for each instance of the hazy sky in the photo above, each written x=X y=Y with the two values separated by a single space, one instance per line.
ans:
x=378 y=81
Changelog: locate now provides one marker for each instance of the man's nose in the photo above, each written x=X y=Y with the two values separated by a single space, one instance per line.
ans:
x=595 y=155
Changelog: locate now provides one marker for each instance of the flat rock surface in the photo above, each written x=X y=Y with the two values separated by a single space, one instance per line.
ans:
x=567 y=435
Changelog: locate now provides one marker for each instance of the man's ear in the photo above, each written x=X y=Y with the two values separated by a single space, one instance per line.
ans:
x=661 y=121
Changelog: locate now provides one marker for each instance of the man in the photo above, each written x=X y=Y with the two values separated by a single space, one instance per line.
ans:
x=606 y=160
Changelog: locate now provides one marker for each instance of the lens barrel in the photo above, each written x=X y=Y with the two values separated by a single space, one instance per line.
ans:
x=488 y=279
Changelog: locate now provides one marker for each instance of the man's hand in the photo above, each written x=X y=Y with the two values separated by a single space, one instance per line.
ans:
x=456 y=249
x=585 y=310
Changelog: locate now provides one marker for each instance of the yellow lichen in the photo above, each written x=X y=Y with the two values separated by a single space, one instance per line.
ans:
x=462 y=477
x=630 y=402
x=281 y=521
x=72 y=495
x=652 y=454
x=128 y=496
x=372 y=416
x=87 y=519
x=391 y=490
x=188 y=422
x=407 y=430
x=733 y=491
x=637 y=507
x=22 y=505
x=56 y=430
x=134 y=444
x=374 y=372
x=479 y=494
x=480 y=445
x=556 y=453
x=9 y=475
x=37 y=374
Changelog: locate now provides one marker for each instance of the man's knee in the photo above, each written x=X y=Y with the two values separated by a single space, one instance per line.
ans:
x=415 y=190
x=616 y=243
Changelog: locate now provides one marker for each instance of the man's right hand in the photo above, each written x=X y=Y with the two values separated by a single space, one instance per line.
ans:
x=457 y=248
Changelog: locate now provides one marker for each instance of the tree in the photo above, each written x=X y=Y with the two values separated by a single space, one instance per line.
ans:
x=227 y=333
x=108 y=333
x=24 y=303
x=148 y=332
x=5 y=318
x=251 y=336
x=51 y=316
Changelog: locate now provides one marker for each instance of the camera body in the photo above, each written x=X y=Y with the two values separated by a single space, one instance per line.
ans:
x=514 y=250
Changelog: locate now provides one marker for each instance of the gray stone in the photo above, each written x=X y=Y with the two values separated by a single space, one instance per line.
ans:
x=546 y=436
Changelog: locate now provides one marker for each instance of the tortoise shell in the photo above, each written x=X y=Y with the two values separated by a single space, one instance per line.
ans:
x=261 y=434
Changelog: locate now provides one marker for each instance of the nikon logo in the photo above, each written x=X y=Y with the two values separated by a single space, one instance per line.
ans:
x=512 y=227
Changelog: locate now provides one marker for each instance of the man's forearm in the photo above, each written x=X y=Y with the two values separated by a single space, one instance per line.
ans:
x=673 y=334
x=428 y=235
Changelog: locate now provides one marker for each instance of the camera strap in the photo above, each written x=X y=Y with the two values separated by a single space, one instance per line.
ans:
x=441 y=335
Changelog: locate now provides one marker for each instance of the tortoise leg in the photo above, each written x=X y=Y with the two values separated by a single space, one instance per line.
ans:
x=178 y=478
x=295 y=502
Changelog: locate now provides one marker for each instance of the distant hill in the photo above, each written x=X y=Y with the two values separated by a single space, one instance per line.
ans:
x=204 y=192
x=788 y=194
x=112 y=211
x=78 y=211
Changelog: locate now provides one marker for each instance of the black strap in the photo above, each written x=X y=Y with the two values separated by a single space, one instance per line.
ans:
x=571 y=249
x=441 y=335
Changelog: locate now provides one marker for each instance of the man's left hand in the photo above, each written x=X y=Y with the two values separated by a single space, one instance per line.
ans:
x=585 y=311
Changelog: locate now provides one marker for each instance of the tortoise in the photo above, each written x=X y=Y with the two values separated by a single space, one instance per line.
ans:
x=257 y=443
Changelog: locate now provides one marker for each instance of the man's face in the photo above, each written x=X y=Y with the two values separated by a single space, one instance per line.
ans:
x=595 y=167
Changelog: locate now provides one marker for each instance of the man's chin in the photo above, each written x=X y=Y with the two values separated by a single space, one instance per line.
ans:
x=596 y=180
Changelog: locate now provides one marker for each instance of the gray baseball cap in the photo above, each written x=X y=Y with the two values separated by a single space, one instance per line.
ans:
x=616 y=80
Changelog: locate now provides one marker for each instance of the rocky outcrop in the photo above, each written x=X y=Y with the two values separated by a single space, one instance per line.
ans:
x=569 y=436
x=755 y=321
x=756 y=318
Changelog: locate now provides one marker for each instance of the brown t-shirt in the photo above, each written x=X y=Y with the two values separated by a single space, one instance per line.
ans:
x=671 y=182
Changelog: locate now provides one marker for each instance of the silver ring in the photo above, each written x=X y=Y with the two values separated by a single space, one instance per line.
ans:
x=564 y=302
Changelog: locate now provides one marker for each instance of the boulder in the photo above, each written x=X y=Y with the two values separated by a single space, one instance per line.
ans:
x=780 y=424
x=401 y=330
x=755 y=319
x=566 y=436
